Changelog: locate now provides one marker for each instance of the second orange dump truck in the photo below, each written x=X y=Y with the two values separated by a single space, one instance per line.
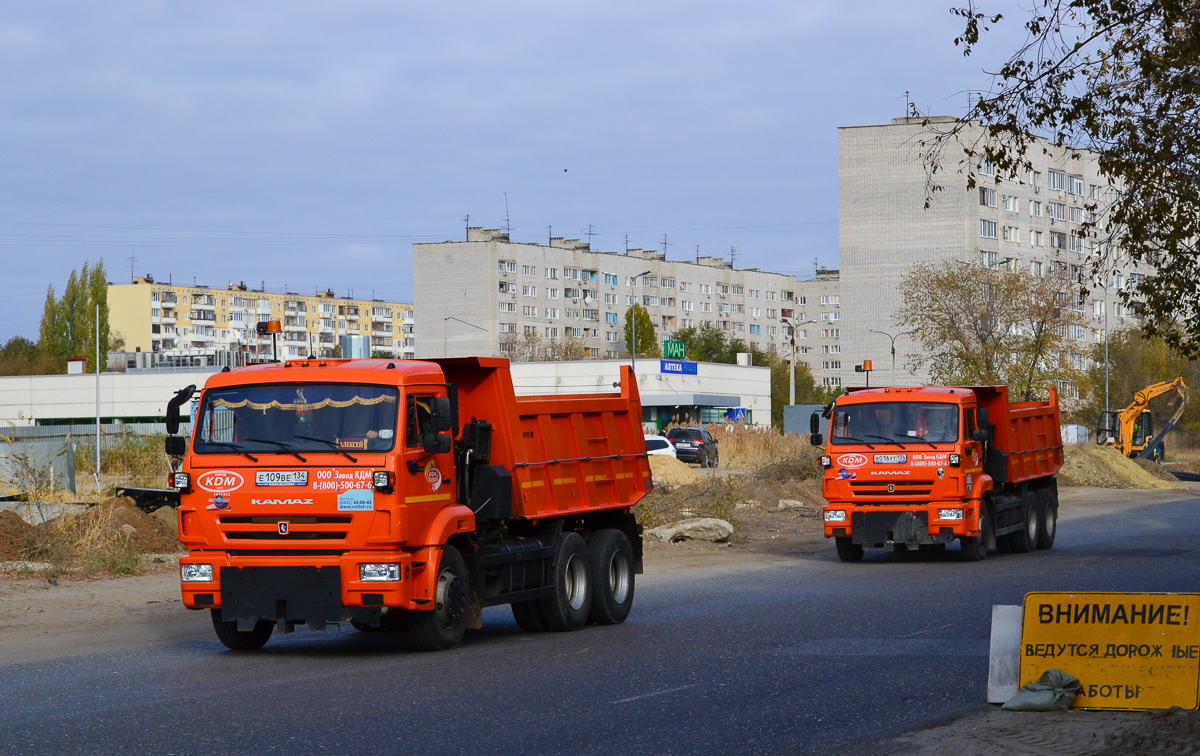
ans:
x=408 y=495
x=919 y=468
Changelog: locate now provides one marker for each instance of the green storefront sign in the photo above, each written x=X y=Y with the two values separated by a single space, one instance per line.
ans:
x=674 y=350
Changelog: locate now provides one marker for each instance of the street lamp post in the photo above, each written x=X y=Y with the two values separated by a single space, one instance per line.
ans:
x=792 y=365
x=460 y=320
x=893 y=340
x=633 y=323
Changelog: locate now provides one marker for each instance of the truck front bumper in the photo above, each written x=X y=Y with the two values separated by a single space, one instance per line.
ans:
x=880 y=527
x=314 y=590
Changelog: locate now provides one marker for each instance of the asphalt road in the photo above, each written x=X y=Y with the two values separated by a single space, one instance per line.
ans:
x=775 y=656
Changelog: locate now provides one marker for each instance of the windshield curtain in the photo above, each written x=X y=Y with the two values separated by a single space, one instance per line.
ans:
x=310 y=417
x=904 y=422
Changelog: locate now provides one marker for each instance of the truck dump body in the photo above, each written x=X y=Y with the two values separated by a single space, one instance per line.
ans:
x=923 y=467
x=346 y=490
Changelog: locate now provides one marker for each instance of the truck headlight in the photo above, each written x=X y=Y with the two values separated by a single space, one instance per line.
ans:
x=826 y=462
x=835 y=515
x=195 y=573
x=378 y=573
x=181 y=480
x=950 y=514
x=955 y=460
x=383 y=480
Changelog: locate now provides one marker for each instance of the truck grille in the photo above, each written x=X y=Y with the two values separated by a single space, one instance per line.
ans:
x=295 y=535
x=299 y=527
x=900 y=488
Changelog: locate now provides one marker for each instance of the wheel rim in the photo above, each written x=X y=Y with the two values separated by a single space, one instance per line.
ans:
x=451 y=598
x=575 y=582
x=1051 y=521
x=1031 y=525
x=618 y=577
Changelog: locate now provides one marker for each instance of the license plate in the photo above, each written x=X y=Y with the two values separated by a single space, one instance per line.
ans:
x=683 y=445
x=891 y=459
x=281 y=477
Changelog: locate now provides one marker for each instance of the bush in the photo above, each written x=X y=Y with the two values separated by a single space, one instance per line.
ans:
x=133 y=459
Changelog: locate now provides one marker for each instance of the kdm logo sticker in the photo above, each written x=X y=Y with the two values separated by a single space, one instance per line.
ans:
x=852 y=460
x=220 y=481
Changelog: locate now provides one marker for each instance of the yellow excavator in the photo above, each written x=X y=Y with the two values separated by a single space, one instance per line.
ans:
x=1131 y=430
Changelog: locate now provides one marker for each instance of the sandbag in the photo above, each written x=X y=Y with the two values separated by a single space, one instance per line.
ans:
x=1053 y=691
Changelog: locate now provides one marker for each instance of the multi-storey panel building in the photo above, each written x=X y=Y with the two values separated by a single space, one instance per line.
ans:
x=1029 y=221
x=188 y=321
x=819 y=326
x=489 y=295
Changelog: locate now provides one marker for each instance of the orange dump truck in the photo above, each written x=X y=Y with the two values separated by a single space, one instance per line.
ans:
x=917 y=468
x=405 y=495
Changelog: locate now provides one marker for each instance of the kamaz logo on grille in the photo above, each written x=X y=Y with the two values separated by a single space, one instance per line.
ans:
x=279 y=502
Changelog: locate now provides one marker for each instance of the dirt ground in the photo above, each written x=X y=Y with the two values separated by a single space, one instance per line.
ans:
x=42 y=619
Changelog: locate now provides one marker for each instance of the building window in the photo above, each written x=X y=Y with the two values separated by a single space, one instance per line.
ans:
x=1035 y=208
x=1075 y=185
x=1058 y=180
x=987 y=228
x=1037 y=239
x=508 y=266
x=987 y=197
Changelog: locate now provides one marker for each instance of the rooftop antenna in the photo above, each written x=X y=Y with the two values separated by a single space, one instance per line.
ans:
x=590 y=234
x=664 y=245
x=816 y=267
x=467 y=220
x=507 y=223
x=626 y=243
x=549 y=235
x=132 y=263
x=697 y=254
x=733 y=254
x=907 y=104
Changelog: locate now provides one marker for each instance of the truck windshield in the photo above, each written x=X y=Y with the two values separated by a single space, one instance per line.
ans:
x=285 y=418
x=901 y=422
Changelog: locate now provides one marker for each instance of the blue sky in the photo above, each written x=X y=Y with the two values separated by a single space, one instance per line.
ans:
x=308 y=145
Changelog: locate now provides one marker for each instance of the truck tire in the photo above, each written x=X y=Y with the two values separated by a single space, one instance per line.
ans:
x=568 y=608
x=1026 y=539
x=443 y=627
x=975 y=548
x=241 y=640
x=612 y=576
x=848 y=550
x=529 y=616
x=1048 y=513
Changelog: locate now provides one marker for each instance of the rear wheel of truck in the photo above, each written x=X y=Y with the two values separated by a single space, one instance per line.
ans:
x=443 y=628
x=1048 y=513
x=612 y=576
x=528 y=615
x=975 y=548
x=241 y=640
x=568 y=608
x=848 y=550
x=1025 y=540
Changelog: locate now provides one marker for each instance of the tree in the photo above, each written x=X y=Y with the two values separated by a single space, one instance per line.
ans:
x=982 y=326
x=1121 y=79
x=647 y=341
x=68 y=325
x=20 y=356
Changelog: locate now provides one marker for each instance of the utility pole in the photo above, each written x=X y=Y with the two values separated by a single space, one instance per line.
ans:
x=893 y=340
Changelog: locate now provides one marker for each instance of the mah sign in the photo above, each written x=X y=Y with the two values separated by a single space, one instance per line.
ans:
x=674 y=350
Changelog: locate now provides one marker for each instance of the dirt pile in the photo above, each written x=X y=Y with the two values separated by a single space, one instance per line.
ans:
x=1105 y=467
x=16 y=536
x=670 y=471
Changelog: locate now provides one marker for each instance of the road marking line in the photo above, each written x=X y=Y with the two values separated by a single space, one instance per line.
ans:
x=655 y=693
x=930 y=630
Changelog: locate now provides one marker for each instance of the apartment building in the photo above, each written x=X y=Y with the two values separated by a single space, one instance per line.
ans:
x=489 y=295
x=1029 y=221
x=819 y=326
x=190 y=321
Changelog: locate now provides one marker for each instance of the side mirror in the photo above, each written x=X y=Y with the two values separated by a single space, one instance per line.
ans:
x=816 y=439
x=443 y=420
x=180 y=398
x=814 y=424
x=176 y=446
x=435 y=443
x=981 y=435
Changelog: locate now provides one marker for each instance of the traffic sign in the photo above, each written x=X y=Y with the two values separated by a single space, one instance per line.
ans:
x=1129 y=650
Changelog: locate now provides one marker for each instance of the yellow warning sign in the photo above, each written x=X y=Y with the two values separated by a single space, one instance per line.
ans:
x=1129 y=650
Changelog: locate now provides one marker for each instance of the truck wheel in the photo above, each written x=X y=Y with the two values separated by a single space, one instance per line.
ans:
x=568 y=608
x=848 y=550
x=1026 y=539
x=1048 y=512
x=612 y=577
x=975 y=548
x=529 y=616
x=241 y=640
x=443 y=627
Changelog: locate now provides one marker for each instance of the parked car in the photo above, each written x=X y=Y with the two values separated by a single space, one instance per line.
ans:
x=695 y=445
x=659 y=445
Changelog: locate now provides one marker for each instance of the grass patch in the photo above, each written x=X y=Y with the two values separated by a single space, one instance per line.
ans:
x=133 y=459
